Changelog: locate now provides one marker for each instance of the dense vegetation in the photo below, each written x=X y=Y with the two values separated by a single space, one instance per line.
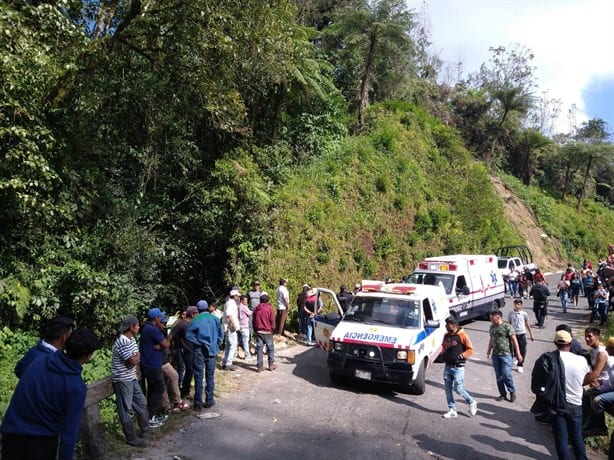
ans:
x=155 y=152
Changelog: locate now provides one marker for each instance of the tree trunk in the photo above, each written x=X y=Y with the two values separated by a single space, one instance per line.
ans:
x=366 y=79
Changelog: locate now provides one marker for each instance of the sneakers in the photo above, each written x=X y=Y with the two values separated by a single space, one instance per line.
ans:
x=520 y=369
x=473 y=408
x=501 y=398
x=512 y=397
x=260 y=369
x=157 y=421
x=272 y=367
x=450 y=414
x=230 y=367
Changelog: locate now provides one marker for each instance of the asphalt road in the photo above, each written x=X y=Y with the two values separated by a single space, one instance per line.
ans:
x=295 y=411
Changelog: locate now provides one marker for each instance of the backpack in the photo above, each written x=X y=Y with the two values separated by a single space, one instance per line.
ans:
x=548 y=380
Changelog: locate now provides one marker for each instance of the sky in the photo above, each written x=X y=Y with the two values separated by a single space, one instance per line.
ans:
x=572 y=42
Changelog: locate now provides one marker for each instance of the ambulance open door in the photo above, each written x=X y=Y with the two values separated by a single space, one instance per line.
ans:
x=327 y=318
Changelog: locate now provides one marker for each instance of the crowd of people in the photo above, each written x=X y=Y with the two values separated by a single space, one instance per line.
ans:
x=154 y=377
x=574 y=385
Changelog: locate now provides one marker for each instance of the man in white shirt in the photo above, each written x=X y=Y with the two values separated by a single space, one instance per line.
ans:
x=567 y=423
x=283 y=302
x=230 y=320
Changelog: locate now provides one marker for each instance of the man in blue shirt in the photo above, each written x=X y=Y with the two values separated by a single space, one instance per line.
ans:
x=56 y=332
x=206 y=334
x=43 y=417
x=152 y=343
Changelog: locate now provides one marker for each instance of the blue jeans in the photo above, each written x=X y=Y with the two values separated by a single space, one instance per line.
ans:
x=263 y=340
x=203 y=363
x=245 y=342
x=564 y=295
x=130 y=399
x=309 y=321
x=513 y=284
x=454 y=377
x=503 y=372
x=230 y=348
x=567 y=425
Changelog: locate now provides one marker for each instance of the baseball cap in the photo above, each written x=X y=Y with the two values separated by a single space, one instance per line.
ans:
x=127 y=323
x=234 y=292
x=154 y=313
x=562 y=337
x=202 y=305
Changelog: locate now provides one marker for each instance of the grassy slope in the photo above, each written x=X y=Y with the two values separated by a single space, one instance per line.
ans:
x=378 y=203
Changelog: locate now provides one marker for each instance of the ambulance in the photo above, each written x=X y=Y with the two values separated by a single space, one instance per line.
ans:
x=472 y=283
x=391 y=333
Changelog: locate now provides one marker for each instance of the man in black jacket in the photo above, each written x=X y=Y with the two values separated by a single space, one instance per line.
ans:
x=566 y=417
x=540 y=293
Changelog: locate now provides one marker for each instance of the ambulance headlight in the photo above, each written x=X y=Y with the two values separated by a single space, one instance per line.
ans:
x=407 y=355
x=337 y=346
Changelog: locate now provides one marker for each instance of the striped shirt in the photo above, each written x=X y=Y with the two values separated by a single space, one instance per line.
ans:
x=123 y=349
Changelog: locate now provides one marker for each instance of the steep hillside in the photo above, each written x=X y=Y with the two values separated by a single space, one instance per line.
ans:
x=545 y=248
x=377 y=203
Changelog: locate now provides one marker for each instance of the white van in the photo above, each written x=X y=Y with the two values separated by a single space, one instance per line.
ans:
x=472 y=283
x=391 y=333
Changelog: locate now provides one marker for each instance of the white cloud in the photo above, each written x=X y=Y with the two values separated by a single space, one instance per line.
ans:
x=572 y=40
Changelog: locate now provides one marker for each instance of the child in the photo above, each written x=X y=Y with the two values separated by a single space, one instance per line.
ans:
x=519 y=320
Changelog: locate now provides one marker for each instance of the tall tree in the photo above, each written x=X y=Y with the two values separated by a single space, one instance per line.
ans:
x=369 y=45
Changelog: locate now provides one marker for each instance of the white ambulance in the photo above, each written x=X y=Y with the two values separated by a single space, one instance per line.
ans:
x=473 y=284
x=391 y=333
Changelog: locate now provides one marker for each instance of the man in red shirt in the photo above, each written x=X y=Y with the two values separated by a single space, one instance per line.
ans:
x=264 y=325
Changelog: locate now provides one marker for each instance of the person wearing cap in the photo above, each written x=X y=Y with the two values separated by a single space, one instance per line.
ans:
x=230 y=320
x=313 y=306
x=129 y=397
x=356 y=289
x=44 y=415
x=540 y=293
x=566 y=422
x=152 y=343
x=603 y=400
x=283 y=303
x=264 y=325
x=456 y=348
x=254 y=295
x=206 y=334
x=183 y=351
x=56 y=332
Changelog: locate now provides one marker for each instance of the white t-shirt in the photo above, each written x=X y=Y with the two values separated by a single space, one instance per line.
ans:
x=283 y=297
x=604 y=375
x=576 y=368
x=230 y=317
x=517 y=320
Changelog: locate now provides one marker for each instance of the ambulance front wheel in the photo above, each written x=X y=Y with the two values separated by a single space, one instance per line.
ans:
x=419 y=385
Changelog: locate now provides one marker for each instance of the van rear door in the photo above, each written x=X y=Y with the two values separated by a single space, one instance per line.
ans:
x=328 y=318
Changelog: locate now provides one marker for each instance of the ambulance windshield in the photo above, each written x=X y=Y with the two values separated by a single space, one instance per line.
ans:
x=391 y=311
x=436 y=279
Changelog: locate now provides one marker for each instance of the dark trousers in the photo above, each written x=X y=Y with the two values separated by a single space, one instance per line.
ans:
x=155 y=389
x=522 y=345
x=204 y=367
x=540 y=314
x=280 y=321
x=188 y=372
x=22 y=447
